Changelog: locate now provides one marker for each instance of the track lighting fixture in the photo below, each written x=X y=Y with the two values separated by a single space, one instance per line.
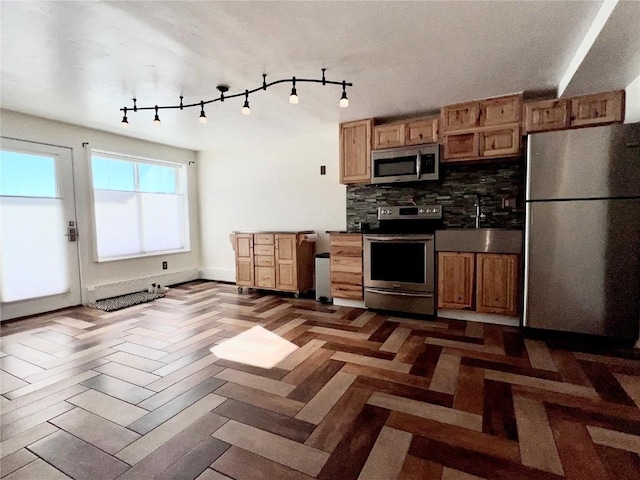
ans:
x=293 y=98
x=344 y=101
x=203 y=117
x=246 y=110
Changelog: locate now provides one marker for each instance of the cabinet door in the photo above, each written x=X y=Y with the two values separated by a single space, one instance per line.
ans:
x=461 y=146
x=455 y=280
x=244 y=259
x=597 y=109
x=388 y=136
x=500 y=141
x=355 y=152
x=546 y=115
x=461 y=116
x=501 y=110
x=265 y=277
x=497 y=283
x=425 y=131
x=346 y=266
x=286 y=277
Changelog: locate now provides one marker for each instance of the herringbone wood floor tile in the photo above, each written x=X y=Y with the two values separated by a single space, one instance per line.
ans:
x=137 y=394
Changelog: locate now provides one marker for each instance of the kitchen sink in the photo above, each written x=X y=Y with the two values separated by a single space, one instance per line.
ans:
x=483 y=240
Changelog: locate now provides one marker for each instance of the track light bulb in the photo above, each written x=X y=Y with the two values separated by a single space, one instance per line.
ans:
x=246 y=110
x=203 y=117
x=125 y=122
x=344 y=101
x=156 y=119
x=293 y=98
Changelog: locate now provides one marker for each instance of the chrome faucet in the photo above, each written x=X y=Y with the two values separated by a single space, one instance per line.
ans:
x=479 y=211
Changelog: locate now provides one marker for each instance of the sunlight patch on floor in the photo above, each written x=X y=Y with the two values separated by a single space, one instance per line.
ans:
x=257 y=346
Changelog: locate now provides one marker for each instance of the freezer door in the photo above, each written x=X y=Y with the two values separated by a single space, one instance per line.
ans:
x=582 y=267
x=599 y=162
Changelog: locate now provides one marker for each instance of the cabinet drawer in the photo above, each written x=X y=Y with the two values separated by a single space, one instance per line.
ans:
x=266 y=277
x=346 y=264
x=264 y=261
x=348 y=240
x=346 y=251
x=263 y=249
x=352 y=292
x=344 y=278
x=263 y=239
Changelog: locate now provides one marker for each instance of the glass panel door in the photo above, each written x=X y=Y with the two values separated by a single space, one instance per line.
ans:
x=39 y=250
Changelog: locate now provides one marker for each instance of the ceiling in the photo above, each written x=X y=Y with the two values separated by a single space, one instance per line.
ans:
x=80 y=62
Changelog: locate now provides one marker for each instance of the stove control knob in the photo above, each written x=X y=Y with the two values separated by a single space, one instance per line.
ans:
x=422 y=210
x=428 y=210
x=435 y=210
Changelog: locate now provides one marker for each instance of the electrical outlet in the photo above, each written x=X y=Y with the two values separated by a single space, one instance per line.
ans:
x=323 y=170
x=164 y=265
x=509 y=202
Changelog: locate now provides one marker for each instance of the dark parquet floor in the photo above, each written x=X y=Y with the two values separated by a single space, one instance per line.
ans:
x=137 y=394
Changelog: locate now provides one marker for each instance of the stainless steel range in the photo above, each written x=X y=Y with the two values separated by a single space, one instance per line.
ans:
x=399 y=267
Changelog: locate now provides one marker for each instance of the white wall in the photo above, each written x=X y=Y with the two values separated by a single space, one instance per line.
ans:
x=632 y=102
x=270 y=184
x=36 y=129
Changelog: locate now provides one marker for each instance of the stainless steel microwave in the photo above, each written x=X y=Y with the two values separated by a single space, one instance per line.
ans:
x=405 y=164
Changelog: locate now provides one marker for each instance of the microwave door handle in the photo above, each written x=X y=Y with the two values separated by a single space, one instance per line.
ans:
x=418 y=164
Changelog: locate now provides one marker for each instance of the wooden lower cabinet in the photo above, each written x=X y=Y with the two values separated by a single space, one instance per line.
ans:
x=455 y=280
x=346 y=266
x=244 y=259
x=484 y=282
x=497 y=283
x=274 y=261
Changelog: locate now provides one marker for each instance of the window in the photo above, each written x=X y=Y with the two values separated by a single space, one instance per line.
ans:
x=140 y=206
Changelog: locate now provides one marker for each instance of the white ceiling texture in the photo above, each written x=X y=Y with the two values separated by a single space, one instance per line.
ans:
x=80 y=62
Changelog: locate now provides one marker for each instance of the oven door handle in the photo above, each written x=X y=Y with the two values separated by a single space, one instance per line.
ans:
x=401 y=239
x=403 y=294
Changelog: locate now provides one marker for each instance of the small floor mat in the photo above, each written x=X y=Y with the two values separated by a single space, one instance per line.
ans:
x=124 y=301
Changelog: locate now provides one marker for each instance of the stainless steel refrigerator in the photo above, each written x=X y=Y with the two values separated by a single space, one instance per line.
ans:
x=582 y=232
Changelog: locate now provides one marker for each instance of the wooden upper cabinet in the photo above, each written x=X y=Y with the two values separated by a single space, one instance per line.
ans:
x=500 y=141
x=455 y=280
x=388 y=136
x=497 y=283
x=460 y=146
x=355 y=152
x=546 y=115
x=500 y=110
x=423 y=131
x=462 y=116
x=597 y=109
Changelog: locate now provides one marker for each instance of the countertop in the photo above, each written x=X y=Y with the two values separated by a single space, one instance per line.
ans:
x=304 y=232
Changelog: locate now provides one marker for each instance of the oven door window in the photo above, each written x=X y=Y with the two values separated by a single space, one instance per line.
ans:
x=398 y=262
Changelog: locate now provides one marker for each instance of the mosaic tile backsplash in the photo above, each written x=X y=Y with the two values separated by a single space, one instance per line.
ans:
x=456 y=191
